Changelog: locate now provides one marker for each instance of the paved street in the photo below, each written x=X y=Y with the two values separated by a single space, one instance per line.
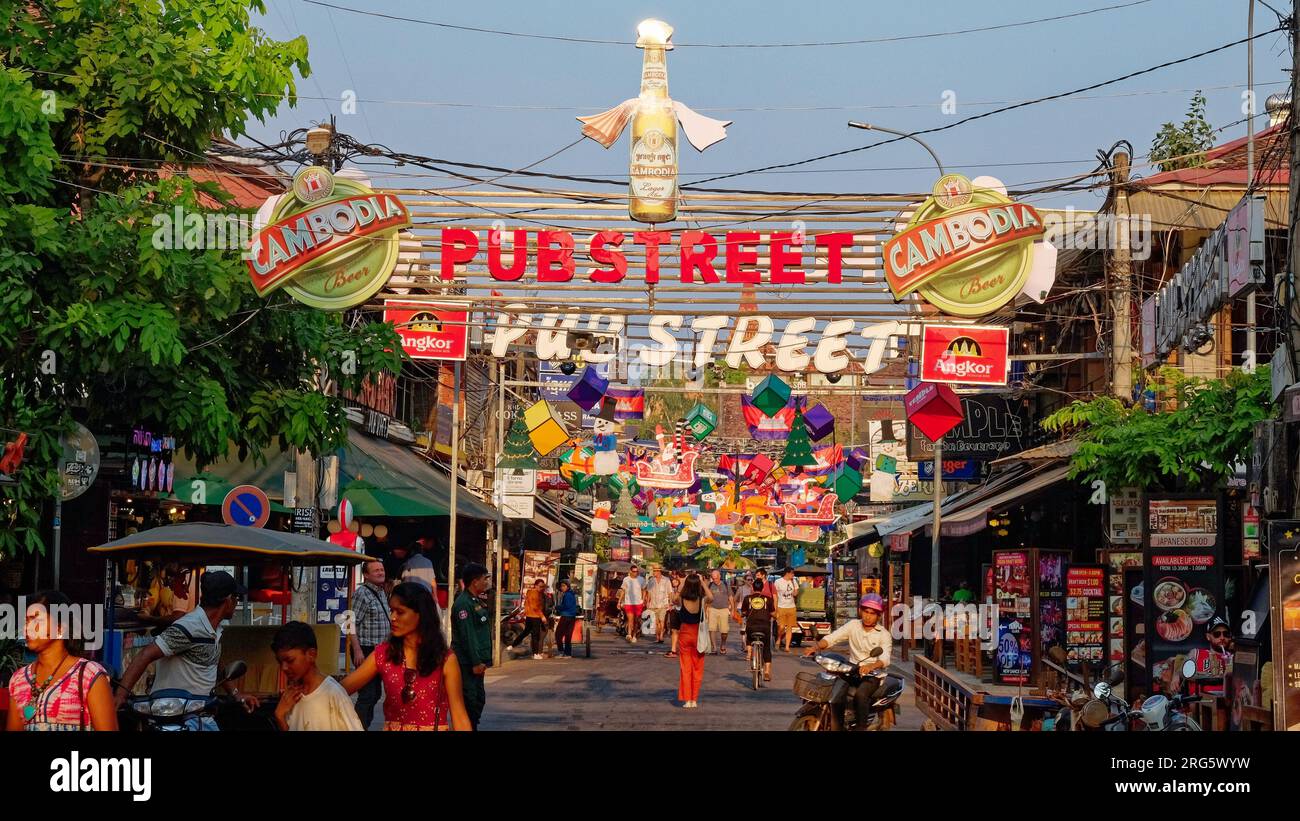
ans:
x=634 y=687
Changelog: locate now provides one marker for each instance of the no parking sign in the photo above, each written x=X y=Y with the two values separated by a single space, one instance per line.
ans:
x=246 y=506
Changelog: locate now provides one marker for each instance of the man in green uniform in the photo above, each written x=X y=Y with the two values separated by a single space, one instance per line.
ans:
x=471 y=637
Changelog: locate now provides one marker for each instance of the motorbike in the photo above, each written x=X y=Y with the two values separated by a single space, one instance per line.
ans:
x=512 y=626
x=175 y=710
x=1161 y=713
x=828 y=697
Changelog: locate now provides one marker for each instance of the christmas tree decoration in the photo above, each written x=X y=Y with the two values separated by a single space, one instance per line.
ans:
x=847 y=482
x=819 y=421
x=545 y=430
x=701 y=420
x=771 y=395
x=625 y=515
x=590 y=388
x=517 y=453
x=798 y=452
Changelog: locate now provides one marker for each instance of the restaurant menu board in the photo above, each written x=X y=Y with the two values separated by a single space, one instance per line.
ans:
x=1250 y=551
x=1182 y=523
x=846 y=592
x=1284 y=581
x=539 y=565
x=1185 y=588
x=1051 y=599
x=1085 y=614
x=1135 y=629
x=1013 y=591
x=1116 y=563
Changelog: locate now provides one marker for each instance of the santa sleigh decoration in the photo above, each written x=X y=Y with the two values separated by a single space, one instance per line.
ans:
x=823 y=514
x=674 y=467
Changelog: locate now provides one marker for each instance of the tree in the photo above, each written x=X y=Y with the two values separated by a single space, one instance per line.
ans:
x=1194 y=444
x=517 y=452
x=1184 y=146
x=798 y=451
x=96 y=319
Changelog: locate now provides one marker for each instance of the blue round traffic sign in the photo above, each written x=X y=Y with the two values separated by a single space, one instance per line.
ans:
x=246 y=506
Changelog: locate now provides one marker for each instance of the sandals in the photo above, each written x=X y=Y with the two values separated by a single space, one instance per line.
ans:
x=722 y=651
x=670 y=654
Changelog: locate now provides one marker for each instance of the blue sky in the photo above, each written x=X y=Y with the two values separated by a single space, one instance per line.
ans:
x=524 y=93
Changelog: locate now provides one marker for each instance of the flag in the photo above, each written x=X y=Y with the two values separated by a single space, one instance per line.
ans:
x=629 y=403
x=762 y=426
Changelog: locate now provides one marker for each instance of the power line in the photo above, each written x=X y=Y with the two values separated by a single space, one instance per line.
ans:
x=819 y=44
x=1002 y=110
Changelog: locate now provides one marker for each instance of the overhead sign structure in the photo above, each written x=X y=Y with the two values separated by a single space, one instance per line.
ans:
x=429 y=331
x=652 y=189
x=965 y=354
x=969 y=249
x=246 y=506
x=331 y=242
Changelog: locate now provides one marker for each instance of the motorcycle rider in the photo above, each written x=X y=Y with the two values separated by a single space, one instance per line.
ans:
x=864 y=635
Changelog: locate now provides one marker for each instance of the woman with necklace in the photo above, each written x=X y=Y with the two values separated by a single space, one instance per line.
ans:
x=60 y=690
x=422 y=684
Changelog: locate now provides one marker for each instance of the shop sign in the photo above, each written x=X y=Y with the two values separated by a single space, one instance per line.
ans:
x=1250 y=550
x=517 y=507
x=965 y=354
x=960 y=470
x=1182 y=522
x=331 y=242
x=1013 y=593
x=968 y=249
x=517 y=482
x=994 y=426
x=429 y=331
x=1284 y=584
x=1226 y=265
x=1085 y=613
x=1125 y=516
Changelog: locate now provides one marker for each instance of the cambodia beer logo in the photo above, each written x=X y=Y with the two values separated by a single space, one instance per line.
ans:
x=965 y=354
x=968 y=249
x=330 y=242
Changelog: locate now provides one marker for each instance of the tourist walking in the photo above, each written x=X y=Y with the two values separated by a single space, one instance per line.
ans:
x=719 y=612
x=631 y=596
x=566 y=607
x=690 y=661
x=534 y=617
x=787 y=592
x=422 y=686
x=60 y=690
x=659 y=592
x=370 y=620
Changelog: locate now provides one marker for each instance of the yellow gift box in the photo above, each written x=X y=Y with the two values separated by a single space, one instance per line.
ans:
x=544 y=429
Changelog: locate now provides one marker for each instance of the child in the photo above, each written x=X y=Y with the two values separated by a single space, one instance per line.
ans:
x=311 y=700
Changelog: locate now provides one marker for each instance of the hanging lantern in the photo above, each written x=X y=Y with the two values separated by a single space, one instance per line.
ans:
x=345 y=514
x=847 y=482
x=589 y=389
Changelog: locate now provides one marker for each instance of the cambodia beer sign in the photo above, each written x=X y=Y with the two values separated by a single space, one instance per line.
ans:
x=968 y=249
x=331 y=242
x=966 y=354
x=429 y=331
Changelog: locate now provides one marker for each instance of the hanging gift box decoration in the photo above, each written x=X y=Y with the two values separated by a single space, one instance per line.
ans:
x=771 y=395
x=847 y=482
x=590 y=388
x=758 y=468
x=819 y=421
x=545 y=430
x=701 y=420
x=858 y=458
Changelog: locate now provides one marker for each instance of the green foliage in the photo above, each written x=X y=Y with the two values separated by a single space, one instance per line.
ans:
x=1193 y=444
x=1184 y=146
x=95 y=314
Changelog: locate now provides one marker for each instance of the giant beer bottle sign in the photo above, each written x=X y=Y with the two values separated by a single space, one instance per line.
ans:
x=968 y=248
x=330 y=243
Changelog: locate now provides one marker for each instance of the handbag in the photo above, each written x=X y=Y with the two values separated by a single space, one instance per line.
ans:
x=702 y=644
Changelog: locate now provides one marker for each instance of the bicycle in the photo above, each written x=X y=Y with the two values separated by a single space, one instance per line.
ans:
x=756 y=658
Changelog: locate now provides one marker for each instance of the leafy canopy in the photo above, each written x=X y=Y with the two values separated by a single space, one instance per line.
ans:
x=1184 y=146
x=1206 y=427
x=95 y=96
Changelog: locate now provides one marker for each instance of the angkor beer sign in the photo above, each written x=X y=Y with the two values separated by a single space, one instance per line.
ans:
x=331 y=242
x=968 y=248
x=965 y=354
x=429 y=331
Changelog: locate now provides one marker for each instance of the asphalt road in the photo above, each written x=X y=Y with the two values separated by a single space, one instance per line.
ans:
x=634 y=687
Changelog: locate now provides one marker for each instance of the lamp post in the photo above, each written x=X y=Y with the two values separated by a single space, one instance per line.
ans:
x=938 y=443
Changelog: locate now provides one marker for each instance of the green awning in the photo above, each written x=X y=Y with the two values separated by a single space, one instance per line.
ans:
x=369 y=500
x=212 y=490
x=397 y=469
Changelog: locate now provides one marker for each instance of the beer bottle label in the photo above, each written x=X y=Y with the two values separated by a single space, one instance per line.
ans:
x=654 y=168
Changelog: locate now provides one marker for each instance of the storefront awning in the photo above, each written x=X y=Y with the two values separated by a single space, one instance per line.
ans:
x=917 y=517
x=556 y=532
x=970 y=518
x=398 y=469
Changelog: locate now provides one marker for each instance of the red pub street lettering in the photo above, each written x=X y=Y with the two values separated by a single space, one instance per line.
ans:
x=700 y=254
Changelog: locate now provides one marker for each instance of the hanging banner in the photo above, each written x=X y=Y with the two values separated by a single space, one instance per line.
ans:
x=965 y=354
x=762 y=426
x=969 y=249
x=429 y=331
x=331 y=242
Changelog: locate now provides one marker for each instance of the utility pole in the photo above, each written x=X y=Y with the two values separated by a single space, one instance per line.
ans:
x=1119 y=267
x=1288 y=296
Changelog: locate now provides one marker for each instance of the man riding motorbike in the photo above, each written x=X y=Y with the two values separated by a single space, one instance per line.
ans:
x=864 y=635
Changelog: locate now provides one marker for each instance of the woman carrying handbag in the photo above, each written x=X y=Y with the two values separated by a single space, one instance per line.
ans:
x=692 y=641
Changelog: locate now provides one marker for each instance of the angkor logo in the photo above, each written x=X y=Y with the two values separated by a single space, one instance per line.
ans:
x=964 y=346
x=425 y=321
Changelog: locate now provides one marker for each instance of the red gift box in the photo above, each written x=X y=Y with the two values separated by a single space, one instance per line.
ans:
x=934 y=409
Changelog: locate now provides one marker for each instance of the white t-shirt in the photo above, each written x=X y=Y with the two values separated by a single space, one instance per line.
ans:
x=419 y=569
x=786 y=590
x=191 y=649
x=661 y=592
x=325 y=708
x=633 y=588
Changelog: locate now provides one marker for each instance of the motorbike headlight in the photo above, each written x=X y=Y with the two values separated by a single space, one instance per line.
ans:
x=167 y=707
x=834 y=665
x=195 y=705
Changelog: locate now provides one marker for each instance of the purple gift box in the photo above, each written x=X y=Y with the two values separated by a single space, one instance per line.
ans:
x=858 y=457
x=819 y=422
x=589 y=389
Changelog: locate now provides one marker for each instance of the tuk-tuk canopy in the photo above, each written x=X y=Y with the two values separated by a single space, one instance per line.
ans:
x=222 y=544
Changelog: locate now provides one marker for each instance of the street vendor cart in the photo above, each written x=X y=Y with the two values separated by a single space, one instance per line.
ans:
x=812 y=605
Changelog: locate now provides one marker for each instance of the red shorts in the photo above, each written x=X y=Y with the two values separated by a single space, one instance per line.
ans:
x=634 y=611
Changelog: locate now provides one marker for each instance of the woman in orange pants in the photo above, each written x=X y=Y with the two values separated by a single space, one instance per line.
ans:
x=689 y=658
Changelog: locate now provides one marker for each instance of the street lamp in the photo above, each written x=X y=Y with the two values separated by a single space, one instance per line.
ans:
x=913 y=138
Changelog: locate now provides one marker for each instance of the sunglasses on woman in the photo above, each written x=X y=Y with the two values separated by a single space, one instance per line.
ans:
x=408 y=691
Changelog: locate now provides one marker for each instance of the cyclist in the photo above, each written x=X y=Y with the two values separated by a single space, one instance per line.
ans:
x=864 y=634
x=758 y=609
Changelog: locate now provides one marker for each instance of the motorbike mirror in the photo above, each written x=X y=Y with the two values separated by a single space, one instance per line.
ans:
x=1101 y=691
x=879 y=651
x=1116 y=674
x=237 y=669
x=1189 y=669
